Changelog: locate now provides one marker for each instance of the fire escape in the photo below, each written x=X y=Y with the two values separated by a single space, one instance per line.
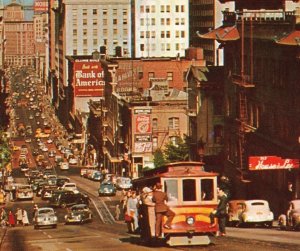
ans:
x=244 y=83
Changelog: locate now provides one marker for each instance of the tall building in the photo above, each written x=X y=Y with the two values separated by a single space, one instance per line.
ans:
x=262 y=126
x=206 y=15
x=80 y=28
x=19 y=36
x=161 y=28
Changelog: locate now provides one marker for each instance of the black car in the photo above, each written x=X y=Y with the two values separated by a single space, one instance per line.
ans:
x=62 y=198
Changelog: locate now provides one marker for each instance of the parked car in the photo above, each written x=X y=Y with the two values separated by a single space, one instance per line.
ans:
x=235 y=209
x=257 y=212
x=47 y=191
x=73 y=161
x=24 y=192
x=96 y=175
x=291 y=220
x=107 y=188
x=64 y=198
x=79 y=214
x=45 y=216
x=123 y=183
x=61 y=180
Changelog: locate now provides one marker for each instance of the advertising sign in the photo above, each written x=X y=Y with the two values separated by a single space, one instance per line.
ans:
x=88 y=79
x=143 y=123
x=143 y=147
x=271 y=163
x=41 y=5
x=143 y=138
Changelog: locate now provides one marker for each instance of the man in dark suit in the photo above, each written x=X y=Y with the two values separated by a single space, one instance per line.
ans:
x=220 y=212
x=161 y=209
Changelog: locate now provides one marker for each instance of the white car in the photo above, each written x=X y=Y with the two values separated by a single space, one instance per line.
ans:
x=257 y=212
x=70 y=187
x=24 y=192
x=64 y=166
x=45 y=216
x=49 y=141
x=44 y=149
x=73 y=161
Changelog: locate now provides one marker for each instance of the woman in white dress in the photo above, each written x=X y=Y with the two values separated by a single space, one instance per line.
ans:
x=25 y=218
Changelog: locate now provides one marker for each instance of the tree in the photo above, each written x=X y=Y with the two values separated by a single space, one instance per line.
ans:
x=177 y=152
x=159 y=159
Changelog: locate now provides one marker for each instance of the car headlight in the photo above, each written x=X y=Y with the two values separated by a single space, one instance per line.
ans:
x=55 y=218
x=190 y=220
x=39 y=219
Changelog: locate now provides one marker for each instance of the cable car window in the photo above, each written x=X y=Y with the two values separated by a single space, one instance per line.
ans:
x=207 y=189
x=189 y=190
x=171 y=188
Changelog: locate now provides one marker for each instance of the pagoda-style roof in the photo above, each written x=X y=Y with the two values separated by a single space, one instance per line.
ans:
x=292 y=39
x=222 y=34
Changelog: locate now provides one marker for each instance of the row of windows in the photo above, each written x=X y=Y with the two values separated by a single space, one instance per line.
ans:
x=95 y=22
x=163 y=21
x=163 y=47
x=173 y=122
x=163 y=34
x=163 y=8
x=96 y=12
x=95 y=32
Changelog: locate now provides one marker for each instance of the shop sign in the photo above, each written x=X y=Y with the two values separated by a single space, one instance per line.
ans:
x=143 y=124
x=271 y=163
x=143 y=138
x=142 y=111
x=88 y=79
x=142 y=147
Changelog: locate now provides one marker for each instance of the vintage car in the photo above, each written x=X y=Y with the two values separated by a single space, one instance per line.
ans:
x=123 y=183
x=291 y=220
x=24 y=192
x=107 y=188
x=235 y=209
x=96 y=175
x=45 y=216
x=61 y=198
x=79 y=214
x=257 y=212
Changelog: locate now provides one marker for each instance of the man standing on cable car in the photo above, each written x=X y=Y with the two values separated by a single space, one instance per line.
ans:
x=161 y=209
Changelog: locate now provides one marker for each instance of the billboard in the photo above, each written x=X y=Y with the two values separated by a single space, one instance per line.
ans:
x=143 y=147
x=88 y=78
x=41 y=5
x=143 y=123
x=271 y=163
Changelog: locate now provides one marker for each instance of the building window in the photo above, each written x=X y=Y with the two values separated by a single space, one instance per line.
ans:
x=95 y=42
x=115 y=21
x=104 y=21
x=168 y=35
x=142 y=21
x=95 y=32
x=162 y=21
x=151 y=75
x=168 y=46
x=84 y=32
x=170 y=76
x=152 y=21
x=142 y=34
x=141 y=75
x=105 y=32
x=95 y=21
x=182 y=21
x=152 y=34
x=104 y=12
x=74 y=32
x=142 y=47
x=153 y=8
x=177 y=21
x=174 y=123
x=177 y=46
x=168 y=8
x=182 y=34
x=147 y=34
x=182 y=8
x=177 y=8
x=218 y=134
x=94 y=11
x=142 y=8
x=84 y=21
x=177 y=34
x=162 y=34
x=115 y=11
x=84 y=42
x=84 y=12
x=154 y=123
x=74 y=52
x=115 y=32
x=147 y=9
x=162 y=8
x=168 y=21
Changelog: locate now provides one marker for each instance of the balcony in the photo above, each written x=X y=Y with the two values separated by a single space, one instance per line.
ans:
x=243 y=81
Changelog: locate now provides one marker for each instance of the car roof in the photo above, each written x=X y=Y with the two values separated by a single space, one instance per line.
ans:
x=79 y=206
x=250 y=202
x=45 y=208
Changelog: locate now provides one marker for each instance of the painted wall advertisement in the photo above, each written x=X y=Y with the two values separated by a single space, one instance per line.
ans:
x=143 y=123
x=41 y=5
x=271 y=163
x=88 y=79
x=142 y=143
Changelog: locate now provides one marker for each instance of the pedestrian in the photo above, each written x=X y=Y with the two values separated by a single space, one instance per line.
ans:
x=19 y=216
x=35 y=209
x=117 y=212
x=132 y=210
x=161 y=209
x=220 y=212
x=3 y=217
x=25 y=220
x=11 y=219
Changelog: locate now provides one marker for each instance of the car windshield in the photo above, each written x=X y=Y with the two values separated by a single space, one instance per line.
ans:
x=45 y=211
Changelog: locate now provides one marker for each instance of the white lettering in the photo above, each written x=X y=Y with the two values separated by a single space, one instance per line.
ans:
x=285 y=165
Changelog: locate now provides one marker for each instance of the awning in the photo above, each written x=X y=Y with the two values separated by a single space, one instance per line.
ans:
x=292 y=39
x=222 y=34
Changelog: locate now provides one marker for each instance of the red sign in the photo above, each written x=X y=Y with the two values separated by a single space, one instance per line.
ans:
x=88 y=79
x=271 y=163
x=143 y=124
x=41 y=5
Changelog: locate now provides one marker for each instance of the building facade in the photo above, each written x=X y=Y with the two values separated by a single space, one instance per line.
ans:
x=161 y=28
x=261 y=98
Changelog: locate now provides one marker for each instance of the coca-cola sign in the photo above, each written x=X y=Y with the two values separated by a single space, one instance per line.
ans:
x=271 y=163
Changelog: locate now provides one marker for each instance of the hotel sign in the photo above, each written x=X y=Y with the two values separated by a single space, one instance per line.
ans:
x=41 y=5
x=271 y=163
x=88 y=79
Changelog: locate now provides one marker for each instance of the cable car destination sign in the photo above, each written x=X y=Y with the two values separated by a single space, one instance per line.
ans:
x=271 y=163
